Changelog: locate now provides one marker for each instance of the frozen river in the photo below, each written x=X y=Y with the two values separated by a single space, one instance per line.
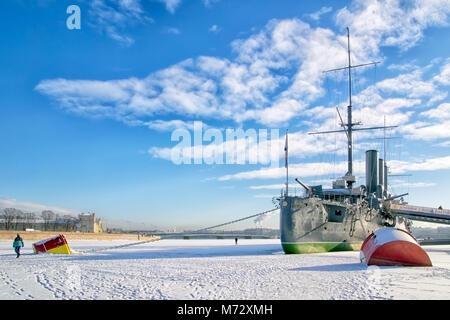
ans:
x=212 y=269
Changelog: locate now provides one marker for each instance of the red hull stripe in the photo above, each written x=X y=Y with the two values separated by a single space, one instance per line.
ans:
x=399 y=253
x=393 y=247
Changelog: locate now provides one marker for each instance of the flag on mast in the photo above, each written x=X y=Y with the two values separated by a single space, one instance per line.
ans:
x=286 y=162
x=286 y=151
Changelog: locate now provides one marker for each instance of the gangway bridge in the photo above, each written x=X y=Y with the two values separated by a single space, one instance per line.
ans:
x=417 y=213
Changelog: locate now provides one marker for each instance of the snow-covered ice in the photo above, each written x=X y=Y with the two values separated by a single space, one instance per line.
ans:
x=212 y=269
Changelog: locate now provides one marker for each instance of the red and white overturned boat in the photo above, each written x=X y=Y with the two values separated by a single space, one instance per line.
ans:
x=393 y=247
x=57 y=244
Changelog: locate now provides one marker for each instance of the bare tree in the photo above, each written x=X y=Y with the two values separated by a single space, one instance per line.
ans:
x=65 y=222
x=58 y=222
x=47 y=216
x=30 y=219
x=70 y=222
x=7 y=218
x=10 y=215
x=19 y=219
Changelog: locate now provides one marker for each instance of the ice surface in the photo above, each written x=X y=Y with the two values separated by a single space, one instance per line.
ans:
x=212 y=269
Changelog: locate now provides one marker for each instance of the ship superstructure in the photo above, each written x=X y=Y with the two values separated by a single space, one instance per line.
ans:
x=340 y=218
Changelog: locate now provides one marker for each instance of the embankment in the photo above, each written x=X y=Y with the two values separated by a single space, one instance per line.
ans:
x=39 y=235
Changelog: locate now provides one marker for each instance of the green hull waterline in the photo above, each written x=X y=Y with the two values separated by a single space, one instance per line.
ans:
x=318 y=247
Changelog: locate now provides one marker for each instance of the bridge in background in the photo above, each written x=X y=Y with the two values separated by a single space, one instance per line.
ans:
x=211 y=233
x=424 y=214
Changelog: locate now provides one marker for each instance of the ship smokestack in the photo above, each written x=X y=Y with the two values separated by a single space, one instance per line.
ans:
x=380 y=187
x=381 y=172
x=385 y=178
x=371 y=170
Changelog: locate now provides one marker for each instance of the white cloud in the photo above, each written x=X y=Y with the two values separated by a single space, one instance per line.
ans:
x=301 y=145
x=393 y=184
x=406 y=184
x=263 y=196
x=114 y=16
x=234 y=146
x=440 y=112
x=393 y=22
x=208 y=3
x=301 y=170
x=173 y=90
x=293 y=44
x=214 y=28
x=169 y=125
x=171 y=5
x=432 y=164
x=34 y=207
x=245 y=89
x=161 y=153
x=190 y=88
x=409 y=84
x=444 y=144
x=281 y=111
x=390 y=105
x=316 y=15
x=317 y=169
x=433 y=124
x=426 y=131
x=402 y=67
x=173 y=31
x=407 y=100
x=275 y=76
x=272 y=186
x=444 y=76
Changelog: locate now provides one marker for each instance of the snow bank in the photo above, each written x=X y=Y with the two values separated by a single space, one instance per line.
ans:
x=213 y=269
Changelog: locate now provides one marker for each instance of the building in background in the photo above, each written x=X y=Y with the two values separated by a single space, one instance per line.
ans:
x=88 y=223
x=15 y=219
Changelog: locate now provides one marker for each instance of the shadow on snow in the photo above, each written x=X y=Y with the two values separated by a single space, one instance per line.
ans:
x=183 y=252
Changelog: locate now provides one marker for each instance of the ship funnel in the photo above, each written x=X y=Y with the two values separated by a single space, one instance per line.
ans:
x=385 y=178
x=371 y=170
x=381 y=172
x=380 y=186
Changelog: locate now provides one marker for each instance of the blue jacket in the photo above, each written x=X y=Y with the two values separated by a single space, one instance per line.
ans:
x=18 y=242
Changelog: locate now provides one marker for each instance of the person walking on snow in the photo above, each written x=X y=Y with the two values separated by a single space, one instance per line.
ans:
x=17 y=244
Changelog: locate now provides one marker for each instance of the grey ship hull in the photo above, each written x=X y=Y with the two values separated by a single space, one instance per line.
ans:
x=312 y=225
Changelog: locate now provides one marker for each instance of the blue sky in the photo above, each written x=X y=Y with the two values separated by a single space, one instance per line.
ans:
x=87 y=115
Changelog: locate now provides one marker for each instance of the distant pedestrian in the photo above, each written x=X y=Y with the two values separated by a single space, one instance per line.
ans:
x=235 y=240
x=17 y=244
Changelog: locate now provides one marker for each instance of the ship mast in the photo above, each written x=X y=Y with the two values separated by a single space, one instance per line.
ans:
x=349 y=113
x=348 y=127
